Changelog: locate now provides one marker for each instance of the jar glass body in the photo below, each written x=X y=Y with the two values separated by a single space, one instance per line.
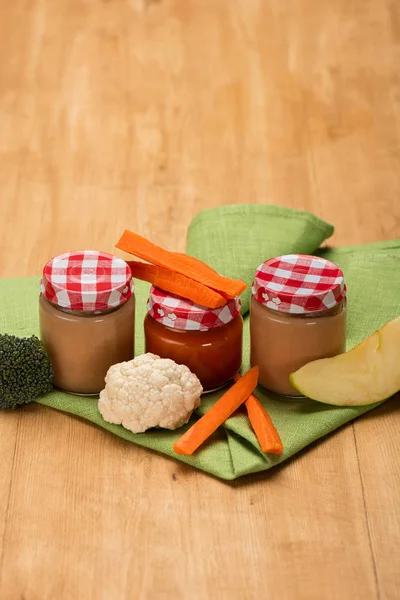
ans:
x=281 y=342
x=215 y=355
x=83 y=345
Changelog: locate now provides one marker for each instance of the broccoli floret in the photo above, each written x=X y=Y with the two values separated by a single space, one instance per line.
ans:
x=25 y=370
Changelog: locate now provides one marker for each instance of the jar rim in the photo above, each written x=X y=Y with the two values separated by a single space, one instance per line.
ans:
x=85 y=313
x=304 y=315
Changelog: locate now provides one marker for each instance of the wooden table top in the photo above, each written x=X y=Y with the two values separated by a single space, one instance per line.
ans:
x=139 y=113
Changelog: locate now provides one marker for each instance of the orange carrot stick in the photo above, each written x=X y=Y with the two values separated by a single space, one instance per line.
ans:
x=193 y=269
x=195 y=263
x=218 y=414
x=177 y=284
x=261 y=422
x=192 y=261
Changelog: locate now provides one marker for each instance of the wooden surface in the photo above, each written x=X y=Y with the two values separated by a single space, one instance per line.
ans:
x=139 y=113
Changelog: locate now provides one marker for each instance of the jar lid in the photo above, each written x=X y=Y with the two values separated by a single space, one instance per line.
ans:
x=87 y=281
x=181 y=313
x=298 y=284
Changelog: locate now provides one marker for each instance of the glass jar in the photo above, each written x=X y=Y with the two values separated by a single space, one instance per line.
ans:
x=297 y=314
x=86 y=314
x=208 y=341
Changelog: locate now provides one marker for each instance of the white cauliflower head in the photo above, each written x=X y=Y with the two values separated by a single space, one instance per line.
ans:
x=149 y=391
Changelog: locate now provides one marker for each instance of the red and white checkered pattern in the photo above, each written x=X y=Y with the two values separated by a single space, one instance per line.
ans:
x=299 y=284
x=87 y=281
x=181 y=313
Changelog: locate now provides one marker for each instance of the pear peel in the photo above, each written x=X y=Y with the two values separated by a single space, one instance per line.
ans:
x=368 y=373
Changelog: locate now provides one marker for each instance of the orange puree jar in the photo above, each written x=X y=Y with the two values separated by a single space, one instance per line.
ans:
x=297 y=314
x=86 y=313
x=208 y=341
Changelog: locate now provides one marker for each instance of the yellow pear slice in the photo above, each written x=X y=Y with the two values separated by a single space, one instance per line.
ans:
x=368 y=373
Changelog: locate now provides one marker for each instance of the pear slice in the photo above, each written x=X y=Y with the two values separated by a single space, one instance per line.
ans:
x=368 y=373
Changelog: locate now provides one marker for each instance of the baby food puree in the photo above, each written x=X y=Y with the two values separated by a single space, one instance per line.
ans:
x=86 y=312
x=208 y=341
x=297 y=314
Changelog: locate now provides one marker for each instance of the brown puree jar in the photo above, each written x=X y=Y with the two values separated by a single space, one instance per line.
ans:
x=208 y=341
x=86 y=313
x=297 y=314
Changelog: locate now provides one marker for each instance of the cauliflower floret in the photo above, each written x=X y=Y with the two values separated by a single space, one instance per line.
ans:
x=149 y=391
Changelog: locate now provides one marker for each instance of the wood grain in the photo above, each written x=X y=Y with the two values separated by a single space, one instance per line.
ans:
x=138 y=113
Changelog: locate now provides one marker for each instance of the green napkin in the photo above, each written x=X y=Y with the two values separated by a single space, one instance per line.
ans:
x=235 y=240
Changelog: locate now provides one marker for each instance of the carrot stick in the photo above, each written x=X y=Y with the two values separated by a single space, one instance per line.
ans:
x=177 y=284
x=261 y=422
x=218 y=414
x=193 y=269
x=196 y=262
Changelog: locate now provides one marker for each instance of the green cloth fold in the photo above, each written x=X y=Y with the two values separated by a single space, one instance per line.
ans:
x=235 y=240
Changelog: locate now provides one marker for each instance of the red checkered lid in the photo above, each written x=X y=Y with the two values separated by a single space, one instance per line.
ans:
x=87 y=281
x=181 y=313
x=299 y=284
